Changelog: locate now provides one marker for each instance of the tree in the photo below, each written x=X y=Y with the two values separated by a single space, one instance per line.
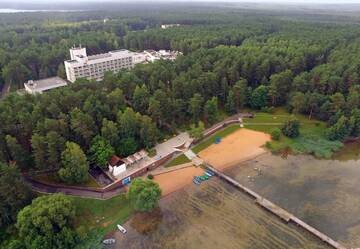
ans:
x=14 y=194
x=154 y=110
x=127 y=146
x=211 y=110
x=275 y=134
x=110 y=132
x=55 y=146
x=197 y=131
x=74 y=164
x=141 y=99
x=15 y=72
x=48 y=223
x=195 y=106
x=148 y=132
x=280 y=85
x=144 y=195
x=355 y=121
x=38 y=144
x=83 y=125
x=259 y=97
x=230 y=105
x=128 y=123
x=240 y=91
x=101 y=151
x=17 y=152
x=339 y=130
x=291 y=128
x=298 y=102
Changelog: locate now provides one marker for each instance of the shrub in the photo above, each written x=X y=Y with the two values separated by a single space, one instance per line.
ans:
x=275 y=134
x=268 y=109
x=291 y=127
x=150 y=176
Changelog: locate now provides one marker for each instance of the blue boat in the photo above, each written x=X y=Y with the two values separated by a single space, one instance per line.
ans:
x=195 y=181
x=209 y=172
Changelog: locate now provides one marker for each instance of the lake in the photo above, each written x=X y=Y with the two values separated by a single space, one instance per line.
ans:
x=324 y=193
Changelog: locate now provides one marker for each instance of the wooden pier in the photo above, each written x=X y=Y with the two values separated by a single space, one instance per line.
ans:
x=276 y=210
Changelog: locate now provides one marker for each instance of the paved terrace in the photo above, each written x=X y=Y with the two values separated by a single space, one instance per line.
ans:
x=175 y=144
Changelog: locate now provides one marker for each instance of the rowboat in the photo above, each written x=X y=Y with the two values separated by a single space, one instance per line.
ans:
x=121 y=228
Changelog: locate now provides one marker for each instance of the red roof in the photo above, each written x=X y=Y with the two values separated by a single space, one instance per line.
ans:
x=115 y=161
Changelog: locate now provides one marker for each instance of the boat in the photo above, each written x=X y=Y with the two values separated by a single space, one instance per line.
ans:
x=208 y=174
x=109 y=241
x=195 y=181
x=121 y=228
x=204 y=177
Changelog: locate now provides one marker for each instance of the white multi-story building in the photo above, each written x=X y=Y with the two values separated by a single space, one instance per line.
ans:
x=94 y=67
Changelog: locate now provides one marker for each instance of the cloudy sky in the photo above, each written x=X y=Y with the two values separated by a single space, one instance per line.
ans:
x=277 y=1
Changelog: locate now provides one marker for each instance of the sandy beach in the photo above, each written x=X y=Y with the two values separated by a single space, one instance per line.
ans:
x=237 y=147
x=242 y=145
x=175 y=180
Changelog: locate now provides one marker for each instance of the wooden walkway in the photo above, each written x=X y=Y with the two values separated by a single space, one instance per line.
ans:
x=276 y=210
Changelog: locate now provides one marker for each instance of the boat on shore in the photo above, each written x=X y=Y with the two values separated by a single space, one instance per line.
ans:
x=109 y=241
x=121 y=228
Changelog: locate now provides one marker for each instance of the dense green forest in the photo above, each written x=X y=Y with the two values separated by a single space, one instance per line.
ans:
x=232 y=60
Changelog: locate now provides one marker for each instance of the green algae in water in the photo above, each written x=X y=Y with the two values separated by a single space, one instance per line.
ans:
x=351 y=151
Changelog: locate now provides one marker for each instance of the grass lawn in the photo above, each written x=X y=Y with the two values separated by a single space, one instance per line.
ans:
x=54 y=178
x=312 y=139
x=209 y=141
x=177 y=161
x=102 y=215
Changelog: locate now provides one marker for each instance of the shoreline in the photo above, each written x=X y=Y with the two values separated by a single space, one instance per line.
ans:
x=228 y=167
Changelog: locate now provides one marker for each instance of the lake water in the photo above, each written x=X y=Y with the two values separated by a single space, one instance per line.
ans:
x=324 y=193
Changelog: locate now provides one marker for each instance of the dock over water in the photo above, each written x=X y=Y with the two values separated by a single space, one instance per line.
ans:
x=276 y=210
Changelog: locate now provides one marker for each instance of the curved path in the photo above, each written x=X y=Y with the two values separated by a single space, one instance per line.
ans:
x=84 y=192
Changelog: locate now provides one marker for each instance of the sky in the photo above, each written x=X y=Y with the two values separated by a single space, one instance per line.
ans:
x=268 y=1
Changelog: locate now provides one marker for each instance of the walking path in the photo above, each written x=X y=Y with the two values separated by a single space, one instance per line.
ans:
x=85 y=193
x=164 y=170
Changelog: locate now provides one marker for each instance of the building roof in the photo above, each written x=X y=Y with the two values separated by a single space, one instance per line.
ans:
x=115 y=161
x=44 y=84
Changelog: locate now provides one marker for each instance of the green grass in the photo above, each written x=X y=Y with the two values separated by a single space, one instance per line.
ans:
x=209 y=141
x=102 y=215
x=151 y=152
x=177 y=161
x=54 y=178
x=312 y=139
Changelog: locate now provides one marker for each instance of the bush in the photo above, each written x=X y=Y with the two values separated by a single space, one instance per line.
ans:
x=275 y=134
x=150 y=176
x=291 y=127
x=144 y=195
x=268 y=109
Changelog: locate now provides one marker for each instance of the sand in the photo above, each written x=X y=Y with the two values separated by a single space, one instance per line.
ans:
x=175 y=180
x=237 y=147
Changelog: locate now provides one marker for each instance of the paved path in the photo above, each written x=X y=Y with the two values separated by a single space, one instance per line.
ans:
x=160 y=171
x=44 y=188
